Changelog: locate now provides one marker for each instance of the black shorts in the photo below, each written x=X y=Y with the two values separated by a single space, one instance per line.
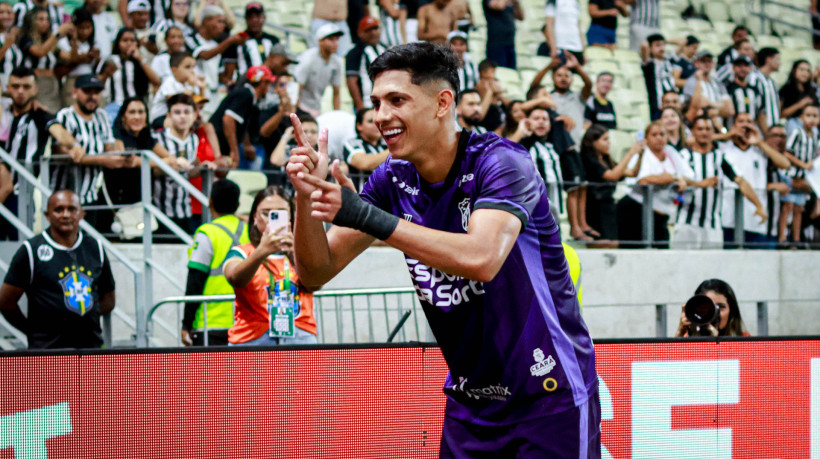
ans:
x=572 y=170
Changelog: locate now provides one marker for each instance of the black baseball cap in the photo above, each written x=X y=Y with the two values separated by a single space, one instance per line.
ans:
x=742 y=60
x=88 y=81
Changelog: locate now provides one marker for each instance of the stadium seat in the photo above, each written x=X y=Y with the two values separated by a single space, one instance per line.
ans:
x=793 y=43
x=597 y=53
x=250 y=182
x=507 y=77
x=761 y=41
x=716 y=11
x=723 y=28
x=698 y=25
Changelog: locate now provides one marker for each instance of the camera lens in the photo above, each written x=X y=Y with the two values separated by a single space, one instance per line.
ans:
x=701 y=310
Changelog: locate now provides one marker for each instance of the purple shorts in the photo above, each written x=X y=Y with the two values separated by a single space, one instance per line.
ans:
x=575 y=433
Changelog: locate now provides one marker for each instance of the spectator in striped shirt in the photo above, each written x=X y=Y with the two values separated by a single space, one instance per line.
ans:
x=699 y=219
x=744 y=95
x=176 y=16
x=712 y=90
x=742 y=48
x=367 y=150
x=358 y=62
x=38 y=43
x=467 y=70
x=78 y=52
x=181 y=143
x=393 y=16
x=239 y=58
x=778 y=185
x=174 y=43
x=125 y=73
x=801 y=149
x=768 y=62
x=657 y=72
x=54 y=11
x=91 y=127
x=547 y=160
x=740 y=33
x=9 y=52
x=684 y=59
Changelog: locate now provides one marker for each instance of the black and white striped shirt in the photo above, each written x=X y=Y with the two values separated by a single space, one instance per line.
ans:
x=162 y=26
x=770 y=95
x=357 y=63
x=169 y=196
x=28 y=136
x=49 y=61
x=659 y=79
x=13 y=58
x=703 y=206
x=391 y=29
x=93 y=135
x=357 y=145
x=804 y=146
x=548 y=163
x=467 y=74
x=158 y=9
x=128 y=81
x=746 y=99
x=55 y=13
x=252 y=52
x=646 y=13
x=773 y=204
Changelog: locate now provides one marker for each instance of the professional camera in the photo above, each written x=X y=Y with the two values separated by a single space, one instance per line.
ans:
x=701 y=311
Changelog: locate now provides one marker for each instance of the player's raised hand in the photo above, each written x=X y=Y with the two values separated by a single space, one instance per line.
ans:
x=336 y=171
x=326 y=197
x=305 y=160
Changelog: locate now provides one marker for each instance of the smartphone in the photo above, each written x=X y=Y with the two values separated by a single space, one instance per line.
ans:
x=639 y=135
x=278 y=219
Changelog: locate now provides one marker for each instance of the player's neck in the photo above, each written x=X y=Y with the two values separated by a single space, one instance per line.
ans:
x=436 y=161
x=65 y=240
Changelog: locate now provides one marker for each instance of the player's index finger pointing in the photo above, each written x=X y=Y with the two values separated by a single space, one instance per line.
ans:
x=316 y=181
x=298 y=133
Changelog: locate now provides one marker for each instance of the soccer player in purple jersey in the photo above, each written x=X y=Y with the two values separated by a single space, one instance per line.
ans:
x=471 y=214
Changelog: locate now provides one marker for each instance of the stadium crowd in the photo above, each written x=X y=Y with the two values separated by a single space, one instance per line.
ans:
x=207 y=88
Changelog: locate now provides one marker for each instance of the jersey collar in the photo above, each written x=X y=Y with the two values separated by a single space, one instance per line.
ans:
x=57 y=246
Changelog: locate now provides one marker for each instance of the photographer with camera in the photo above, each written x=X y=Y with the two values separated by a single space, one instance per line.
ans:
x=713 y=311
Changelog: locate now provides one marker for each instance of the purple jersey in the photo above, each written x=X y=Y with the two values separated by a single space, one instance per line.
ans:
x=516 y=346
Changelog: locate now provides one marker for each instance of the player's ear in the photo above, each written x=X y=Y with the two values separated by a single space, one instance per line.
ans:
x=446 y=100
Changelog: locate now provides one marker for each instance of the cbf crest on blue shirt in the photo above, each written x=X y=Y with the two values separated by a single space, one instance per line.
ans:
x=516 y=346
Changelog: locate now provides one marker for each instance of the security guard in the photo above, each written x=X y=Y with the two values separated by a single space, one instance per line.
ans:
x=212 y=241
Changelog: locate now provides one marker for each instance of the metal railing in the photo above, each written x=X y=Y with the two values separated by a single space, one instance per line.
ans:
x=764 y=17
x=338 y=313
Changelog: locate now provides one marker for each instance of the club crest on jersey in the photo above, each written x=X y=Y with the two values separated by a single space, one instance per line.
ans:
x=76 y=285
x=464 y=207
x=542 y=365
x=45 y=253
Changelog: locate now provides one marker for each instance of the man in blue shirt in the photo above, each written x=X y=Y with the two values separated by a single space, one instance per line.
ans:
x=472 y=216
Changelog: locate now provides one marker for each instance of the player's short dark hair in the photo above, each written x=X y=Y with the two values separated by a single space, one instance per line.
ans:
x=425 y=62
x=180 y=98
x=22 y=72
x=605 y=73
x=486 y=64
x=465 y=92
x=764 y=54
x=655 y=37
x=177 y=58
x=360 y=114
x=225 y=196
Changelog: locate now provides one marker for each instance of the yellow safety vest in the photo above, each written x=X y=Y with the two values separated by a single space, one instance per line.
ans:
x=574 y=270
x=224 y=232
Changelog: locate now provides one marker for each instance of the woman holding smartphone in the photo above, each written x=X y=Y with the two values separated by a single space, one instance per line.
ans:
x=271 y=306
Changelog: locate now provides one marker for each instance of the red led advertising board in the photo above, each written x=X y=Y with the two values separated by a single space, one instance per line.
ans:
x=732 y=399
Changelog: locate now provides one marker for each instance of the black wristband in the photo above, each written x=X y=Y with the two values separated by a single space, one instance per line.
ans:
x=357 y=214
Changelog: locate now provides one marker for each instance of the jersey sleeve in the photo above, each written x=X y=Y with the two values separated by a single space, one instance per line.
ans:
x=105 y=283
x=549 y=10
x=589 y=111
x=377 y=184
x=352 y=61
x=202 y=253
x=236 y=253
x=352 y=147
x=19 y=274
x=793 y=141
x=507 y=180
x=239 y=105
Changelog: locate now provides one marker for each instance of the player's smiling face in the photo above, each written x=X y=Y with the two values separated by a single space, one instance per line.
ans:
x=407 y=115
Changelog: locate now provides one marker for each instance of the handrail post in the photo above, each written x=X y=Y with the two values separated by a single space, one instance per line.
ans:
x=762 y=17
x=763 y=318
x=647 y=216
x=106 y=330
x=207 y=186
x=739 y=214
x=147 y=235
x=25 y=200
x=660 y=320
x=204 y=307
